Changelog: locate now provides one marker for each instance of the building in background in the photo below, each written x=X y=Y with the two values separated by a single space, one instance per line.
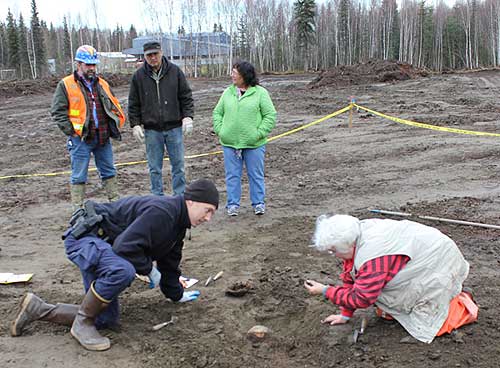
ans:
x=195 y=53
x=116 y=62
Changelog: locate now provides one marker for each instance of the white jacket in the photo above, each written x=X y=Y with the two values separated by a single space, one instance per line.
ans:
x=418 y=297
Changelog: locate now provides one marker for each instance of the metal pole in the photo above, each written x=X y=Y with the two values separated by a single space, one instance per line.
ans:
x=431 y=218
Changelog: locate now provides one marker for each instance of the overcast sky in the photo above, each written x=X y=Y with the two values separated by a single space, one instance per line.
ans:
x=111 y=12
x=124 y=12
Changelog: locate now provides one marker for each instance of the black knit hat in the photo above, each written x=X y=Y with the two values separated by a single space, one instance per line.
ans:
x=202 y=190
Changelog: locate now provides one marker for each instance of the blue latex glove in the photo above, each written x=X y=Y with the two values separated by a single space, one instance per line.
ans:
x=154 y=278
x=189 y=296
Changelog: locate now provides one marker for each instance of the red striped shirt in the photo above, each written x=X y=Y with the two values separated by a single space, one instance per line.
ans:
x=368 y=284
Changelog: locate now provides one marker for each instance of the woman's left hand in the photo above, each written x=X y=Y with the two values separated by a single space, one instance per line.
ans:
x=314 y=287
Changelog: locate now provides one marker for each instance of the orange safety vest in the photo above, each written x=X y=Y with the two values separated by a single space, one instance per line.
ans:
x=78 y=106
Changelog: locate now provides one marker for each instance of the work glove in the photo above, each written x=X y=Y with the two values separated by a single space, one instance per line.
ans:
x=154 y=278
x=138 y=133
x=187 y=125
x=189 y=296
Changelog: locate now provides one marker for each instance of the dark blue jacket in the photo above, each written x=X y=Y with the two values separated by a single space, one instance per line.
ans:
x=146 y=229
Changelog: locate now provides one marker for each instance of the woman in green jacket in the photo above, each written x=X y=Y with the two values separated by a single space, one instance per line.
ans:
x=243 y=119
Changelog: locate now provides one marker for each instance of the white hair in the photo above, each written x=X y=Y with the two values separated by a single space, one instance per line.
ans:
x=338 y=231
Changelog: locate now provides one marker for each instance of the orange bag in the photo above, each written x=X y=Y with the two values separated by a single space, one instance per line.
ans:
x=462 y=311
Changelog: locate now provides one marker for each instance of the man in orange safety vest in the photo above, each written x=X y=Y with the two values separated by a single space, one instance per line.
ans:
x=87 y=111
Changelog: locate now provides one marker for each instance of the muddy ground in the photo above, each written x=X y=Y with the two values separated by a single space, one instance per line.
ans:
x=325 y=168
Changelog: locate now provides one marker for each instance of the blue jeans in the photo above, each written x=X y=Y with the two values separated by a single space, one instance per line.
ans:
x=112 y=274
x=253 y=158
x=80 y=152
x=155 y=149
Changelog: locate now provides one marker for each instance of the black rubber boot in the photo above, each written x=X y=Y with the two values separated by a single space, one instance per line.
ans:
x=83 y=328
x=33 y=308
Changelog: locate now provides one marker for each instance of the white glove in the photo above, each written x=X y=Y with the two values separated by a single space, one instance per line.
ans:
x=187 y=125
x=154 y=278
x=138 y=133
x=189 y=296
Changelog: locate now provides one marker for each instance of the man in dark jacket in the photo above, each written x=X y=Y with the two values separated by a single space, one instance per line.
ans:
x=160 y=99
x=110 y=243
x=87 y=111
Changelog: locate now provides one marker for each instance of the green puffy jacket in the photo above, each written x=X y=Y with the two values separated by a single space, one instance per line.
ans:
x=245 y=122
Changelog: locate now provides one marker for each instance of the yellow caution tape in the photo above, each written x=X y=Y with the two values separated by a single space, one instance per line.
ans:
x=341 y=111
x=292 y=131
x=427 y=126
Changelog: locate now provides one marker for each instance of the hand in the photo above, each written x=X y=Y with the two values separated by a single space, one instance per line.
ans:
x=335 y=319
x=182 y=282
x=154 y=278
x=314 y=287
x=138 y=133
x=189 y=296
x=187 y=125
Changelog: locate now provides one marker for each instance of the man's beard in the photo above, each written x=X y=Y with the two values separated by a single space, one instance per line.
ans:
x=90 y=75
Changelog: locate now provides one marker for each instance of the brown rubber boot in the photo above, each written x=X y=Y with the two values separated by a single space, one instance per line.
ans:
x=77 y=196
x=83 y=328
x=33 y=308
x=111 y=187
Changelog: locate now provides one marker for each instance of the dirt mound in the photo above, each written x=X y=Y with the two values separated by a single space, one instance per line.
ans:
x=370 y=72
x=115 y=80
x=15 y=88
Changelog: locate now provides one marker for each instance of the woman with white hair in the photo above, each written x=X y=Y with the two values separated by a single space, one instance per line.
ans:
x=410 y=272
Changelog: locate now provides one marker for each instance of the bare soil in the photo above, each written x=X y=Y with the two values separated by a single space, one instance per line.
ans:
x=325 y=168
x=13 y=88
x=372 y=71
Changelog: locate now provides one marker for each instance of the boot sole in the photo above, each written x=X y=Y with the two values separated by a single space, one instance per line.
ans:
x=96 y=347
x=24 y=304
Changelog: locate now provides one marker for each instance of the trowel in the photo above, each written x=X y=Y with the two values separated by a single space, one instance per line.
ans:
x=357 y=333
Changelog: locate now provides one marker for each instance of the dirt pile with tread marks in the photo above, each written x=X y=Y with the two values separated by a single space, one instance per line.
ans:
x=373 y=71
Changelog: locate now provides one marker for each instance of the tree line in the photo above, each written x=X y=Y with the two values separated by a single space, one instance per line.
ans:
x=280 y=35
x=26 y=48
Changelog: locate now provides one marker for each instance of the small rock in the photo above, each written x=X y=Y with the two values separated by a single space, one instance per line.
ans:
x=434 y=356
x=258 y=333
x=458 y=337
x=408 y=340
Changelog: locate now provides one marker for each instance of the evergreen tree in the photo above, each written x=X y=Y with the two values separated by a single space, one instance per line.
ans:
x=39 y=54
x=12 y=41
x=67 y=52
x=426 y=33
x=343 y=30
x=74 y=44
x=453 y=43
x=303 y=15
x=243 y=46
x=24 y=61
x=4 y=56
x=129 y=37
x=53 y=48
x=395 y=32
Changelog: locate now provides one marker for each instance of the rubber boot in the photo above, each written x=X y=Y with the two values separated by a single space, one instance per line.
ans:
x=33 y=308
x=83 y=329
x=111 y=187
x=77 y=196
